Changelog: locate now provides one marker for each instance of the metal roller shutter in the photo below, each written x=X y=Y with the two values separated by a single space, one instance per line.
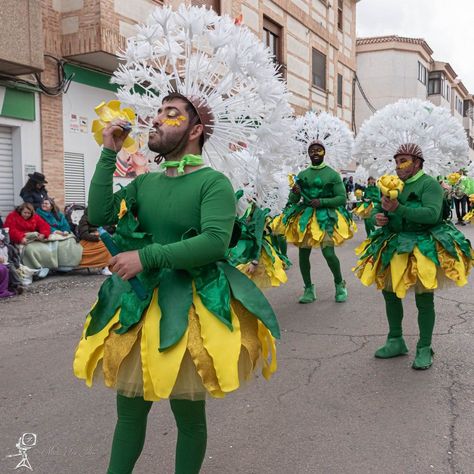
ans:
x=6 y=171
x=74 y=181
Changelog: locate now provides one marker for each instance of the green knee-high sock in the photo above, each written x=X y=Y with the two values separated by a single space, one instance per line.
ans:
x=426 y=317
x=190 y=419
x=394 y=310
x=129 y=435
x=333 y=263
x=305 y=266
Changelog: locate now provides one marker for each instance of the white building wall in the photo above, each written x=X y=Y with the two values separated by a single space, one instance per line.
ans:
x=387 y=76
x=81 y=100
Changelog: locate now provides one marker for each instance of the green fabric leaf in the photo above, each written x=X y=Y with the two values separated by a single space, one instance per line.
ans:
x=109 y=299
x=406 y=242
x=131 y=311
x=175 y=298
x=305 y=218
x=244 y=290
x=213 y=289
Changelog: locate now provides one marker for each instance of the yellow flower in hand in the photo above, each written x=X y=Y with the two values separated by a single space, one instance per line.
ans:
x=453 y=178
x=291 y=180
x=107 y=113
x=390 y=186
x=358 y=193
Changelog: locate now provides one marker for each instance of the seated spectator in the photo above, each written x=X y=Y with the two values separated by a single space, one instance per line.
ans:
x=54 y=217
x=24 y=225
x=34 y=190
x=4 y=270
x=94 y=254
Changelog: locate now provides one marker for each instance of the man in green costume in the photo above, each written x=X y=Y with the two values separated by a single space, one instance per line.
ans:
x=319 y=187
x=418 y=209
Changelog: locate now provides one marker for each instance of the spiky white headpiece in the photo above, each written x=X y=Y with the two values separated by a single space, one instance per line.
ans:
x=264 y=181
x=221 y=66
x=328 y=130
x=361 y=175
x=437 y=133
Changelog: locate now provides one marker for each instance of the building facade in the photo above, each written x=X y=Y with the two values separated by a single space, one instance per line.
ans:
x=49 y=89
x=390 y=68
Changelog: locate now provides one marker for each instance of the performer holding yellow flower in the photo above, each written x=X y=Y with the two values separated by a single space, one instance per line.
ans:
x=316 y=214
x=201 y=327
x=415 y=247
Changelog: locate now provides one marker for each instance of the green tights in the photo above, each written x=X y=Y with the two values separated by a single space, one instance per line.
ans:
x=331 y=259
x=426 y=315
x=129 y=436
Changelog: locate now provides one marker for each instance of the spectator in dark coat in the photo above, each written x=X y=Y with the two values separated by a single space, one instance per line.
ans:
x=34 y=190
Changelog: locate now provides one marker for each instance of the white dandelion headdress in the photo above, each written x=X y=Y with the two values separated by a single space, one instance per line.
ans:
x=222 y=68
x=263 y=181
x=414 y=127
x=332 y=133
x=361 y=175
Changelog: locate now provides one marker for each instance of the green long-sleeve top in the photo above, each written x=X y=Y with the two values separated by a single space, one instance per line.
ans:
x=321 y=182
x=421 y=205
x=372 y=194
x=190 y=216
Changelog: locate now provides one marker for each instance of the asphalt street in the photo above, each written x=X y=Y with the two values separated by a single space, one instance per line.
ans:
x=331 y=407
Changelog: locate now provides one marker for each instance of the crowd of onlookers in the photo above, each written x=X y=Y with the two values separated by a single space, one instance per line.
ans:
x=37 y=238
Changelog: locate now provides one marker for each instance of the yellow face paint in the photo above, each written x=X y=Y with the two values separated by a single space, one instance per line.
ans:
x=404 y=165
x=174 y=121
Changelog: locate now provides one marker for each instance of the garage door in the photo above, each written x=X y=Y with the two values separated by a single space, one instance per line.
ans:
x=74 y=182
x=6 y=171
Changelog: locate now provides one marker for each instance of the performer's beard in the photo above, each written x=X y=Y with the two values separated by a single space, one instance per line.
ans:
x=170 y=145
x=317 y=160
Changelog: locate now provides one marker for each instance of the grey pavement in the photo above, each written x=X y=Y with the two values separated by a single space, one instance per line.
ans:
x=330 y=408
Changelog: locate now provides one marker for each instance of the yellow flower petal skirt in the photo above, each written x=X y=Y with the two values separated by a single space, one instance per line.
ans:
x=268 y=273
x=313 y=235
x=364 y=211
x=209 y=358
x=413 y=269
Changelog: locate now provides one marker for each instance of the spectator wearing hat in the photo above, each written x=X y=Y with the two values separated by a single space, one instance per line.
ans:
x=34 y=190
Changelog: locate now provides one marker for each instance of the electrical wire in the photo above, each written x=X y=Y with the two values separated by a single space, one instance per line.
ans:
x=364 y=96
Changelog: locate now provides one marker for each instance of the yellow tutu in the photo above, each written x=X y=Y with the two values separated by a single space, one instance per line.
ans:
x=314 y=236
x=268 y=273
x=412 y=270
x=363 y=211
x=209 y=358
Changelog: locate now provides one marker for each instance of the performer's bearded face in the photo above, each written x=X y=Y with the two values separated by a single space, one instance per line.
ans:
x=171 y=128
x=407 y=166
x=316 y=154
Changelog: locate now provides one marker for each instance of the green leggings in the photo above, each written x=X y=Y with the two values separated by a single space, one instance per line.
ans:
x=331 y=259
x=129 y=436
x=426 y=316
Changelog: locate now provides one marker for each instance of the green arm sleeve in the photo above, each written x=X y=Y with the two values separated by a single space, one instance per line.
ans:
x=103 y=203
x=339 y=198
x=217 y=221
x=430 y=210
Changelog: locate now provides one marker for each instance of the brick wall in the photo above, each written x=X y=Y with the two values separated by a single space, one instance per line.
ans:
x=51 y=109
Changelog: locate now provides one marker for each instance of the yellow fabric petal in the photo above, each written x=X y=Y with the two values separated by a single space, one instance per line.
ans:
x=160 y=369
x=426 y=270
x=89 y=351
x=398 y=266
x=222 y=345
x=268 y=350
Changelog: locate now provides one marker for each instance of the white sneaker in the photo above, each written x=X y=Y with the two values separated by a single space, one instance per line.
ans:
x=105 y=271
x=43 y=273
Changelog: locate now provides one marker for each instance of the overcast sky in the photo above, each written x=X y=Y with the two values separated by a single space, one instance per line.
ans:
x=447 y=27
